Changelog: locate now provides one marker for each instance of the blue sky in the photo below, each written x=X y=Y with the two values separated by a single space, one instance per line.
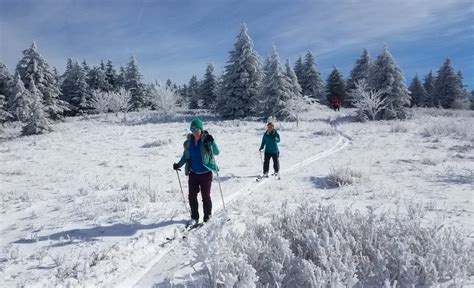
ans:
x=175 y=39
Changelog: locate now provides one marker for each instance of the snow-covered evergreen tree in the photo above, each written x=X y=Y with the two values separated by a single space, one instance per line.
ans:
x=32 y=68
x=277 y=88
x=418 y=92
x=5 y=92
x=57 y=77
x=121 y=78
x=387 y=76
x=463 y=101
x=183 y=96
x=75 y=89
x=134 y=84
x=428 y=84
x=361 y=70
x=85 y=67
x=447 y=86
x=291 y=74
x=241 y=81
x=20 y=100
x=208 y=89
x=111 y=76
x=37 y=121
x=335 y=87
x=97 y=80
x=311 y=82
x=193 y=93
x=299 y=70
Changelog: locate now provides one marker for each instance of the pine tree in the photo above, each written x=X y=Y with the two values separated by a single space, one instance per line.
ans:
x=208 y=89
x=311 y=82
x=134 y=84
x=121 y=78
x=85 y=67
x=97 y=80
x=241 y=79
x=463 y=101
x=5 y=84
x=183 y=96
x=20 y=100
x=335 y=87
x=193 y=93
x=428 y=84
x=291 y=74
x=387 y=76
x=299 y=70
x=37 y=122
x=75 y=89
x=32 y=68
x=102 y=66
x=447 y=86
x=111 y=76
x=418 y=92
x=277 y=88
x=359 y=72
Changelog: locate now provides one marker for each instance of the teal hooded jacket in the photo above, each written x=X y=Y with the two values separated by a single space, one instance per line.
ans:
x=208 y=151
x=270 y=142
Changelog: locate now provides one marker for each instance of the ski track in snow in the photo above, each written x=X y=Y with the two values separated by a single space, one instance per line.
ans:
x=148 y=267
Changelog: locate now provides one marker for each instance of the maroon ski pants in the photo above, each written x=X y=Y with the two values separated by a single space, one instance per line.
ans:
x=200 y=183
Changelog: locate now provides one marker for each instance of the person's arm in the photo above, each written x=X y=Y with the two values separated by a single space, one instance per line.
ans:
x=182 y=160
x=263 y=143
x=277 y=137
x=215 y=148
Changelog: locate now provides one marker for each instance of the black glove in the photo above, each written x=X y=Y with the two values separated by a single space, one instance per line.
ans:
x=274 y=134
x=175 y=166
x=209 y=139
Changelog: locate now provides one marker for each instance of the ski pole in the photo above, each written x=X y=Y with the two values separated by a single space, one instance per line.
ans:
x=218 y=180
x=220 y=189
x=182 y=193
x=260 y=152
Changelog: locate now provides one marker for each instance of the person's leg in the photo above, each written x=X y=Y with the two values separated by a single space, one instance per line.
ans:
x=206 y=184
x=276 y=162
x=266 y=163
x=193 y=184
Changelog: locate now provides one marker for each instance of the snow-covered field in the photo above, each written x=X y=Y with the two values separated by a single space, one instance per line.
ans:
x=92 y=203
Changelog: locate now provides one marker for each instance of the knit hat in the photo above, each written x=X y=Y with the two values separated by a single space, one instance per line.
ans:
x=197 y=123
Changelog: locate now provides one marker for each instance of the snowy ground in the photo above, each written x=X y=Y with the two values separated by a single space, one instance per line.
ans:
x=92 y=203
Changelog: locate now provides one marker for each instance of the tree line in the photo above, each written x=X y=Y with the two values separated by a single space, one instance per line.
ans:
x=36 y=94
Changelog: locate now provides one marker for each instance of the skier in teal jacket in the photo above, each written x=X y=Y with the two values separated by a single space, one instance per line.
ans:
x=270 y=141
x=198 y=158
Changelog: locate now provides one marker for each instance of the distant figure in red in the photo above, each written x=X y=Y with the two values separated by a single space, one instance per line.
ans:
x=336 y=104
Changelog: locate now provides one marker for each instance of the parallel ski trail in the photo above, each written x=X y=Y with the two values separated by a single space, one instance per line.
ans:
x=139 y=275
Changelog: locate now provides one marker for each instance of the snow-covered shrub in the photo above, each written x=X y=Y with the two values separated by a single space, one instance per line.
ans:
x=120 y=101
x=318 y=246
x=157 y=143
x=398 y=127
x=447 y=127
x=104 y=102
x=164 y=99
x=223 y=265
x=343 y=176
x=100 y=101
x=325 y=131
x=369 y=102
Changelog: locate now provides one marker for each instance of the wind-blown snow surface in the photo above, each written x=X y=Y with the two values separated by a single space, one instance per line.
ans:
x=92 y=203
